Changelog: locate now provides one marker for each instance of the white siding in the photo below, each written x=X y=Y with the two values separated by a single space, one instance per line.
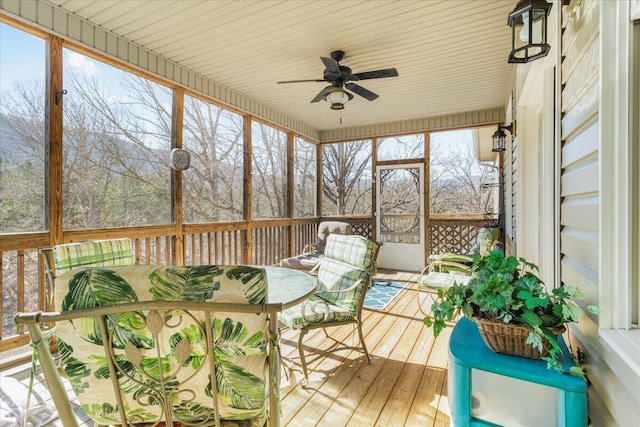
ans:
x=477 y=118
x=579 y=160
x=613 y=398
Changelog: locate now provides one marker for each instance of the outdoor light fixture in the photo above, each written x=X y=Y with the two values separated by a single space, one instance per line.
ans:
x=500 y=138
x=337 y=97
x=528 y=23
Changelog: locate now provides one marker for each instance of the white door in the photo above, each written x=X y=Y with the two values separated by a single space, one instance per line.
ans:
x=400 y=216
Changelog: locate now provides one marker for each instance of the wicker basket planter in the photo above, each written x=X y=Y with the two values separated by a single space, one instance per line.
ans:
x=511 y=339
x=508 y=288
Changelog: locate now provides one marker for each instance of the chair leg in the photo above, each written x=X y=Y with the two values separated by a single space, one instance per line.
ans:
x=302 y=359
x=364 y=346
x=429 y=299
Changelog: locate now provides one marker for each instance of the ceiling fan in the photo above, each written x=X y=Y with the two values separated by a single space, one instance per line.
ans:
x=341 y=77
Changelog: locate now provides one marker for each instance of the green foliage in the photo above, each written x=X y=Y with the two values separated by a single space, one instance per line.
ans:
x=101 y=286
x=191 y=283
x=22 y=203
x=506 y=289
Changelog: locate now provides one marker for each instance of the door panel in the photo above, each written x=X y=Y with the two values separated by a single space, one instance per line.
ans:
x=400 y=216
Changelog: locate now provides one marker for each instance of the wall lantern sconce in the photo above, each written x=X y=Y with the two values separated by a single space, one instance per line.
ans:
x=500 y=138
x=337 y=97
x=528 y=23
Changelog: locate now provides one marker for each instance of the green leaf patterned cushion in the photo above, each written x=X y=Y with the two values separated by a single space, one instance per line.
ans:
x=96 y=253
x=179 y=337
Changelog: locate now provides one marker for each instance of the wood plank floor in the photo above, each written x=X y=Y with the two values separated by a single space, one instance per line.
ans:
x=405 y=384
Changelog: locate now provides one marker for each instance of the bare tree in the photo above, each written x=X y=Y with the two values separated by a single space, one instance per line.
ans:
x=346 y=182
x=213 y=183
x=269 y=172
x=456 y=181
x=115 y=151
x=305 y=178
x=22 y=159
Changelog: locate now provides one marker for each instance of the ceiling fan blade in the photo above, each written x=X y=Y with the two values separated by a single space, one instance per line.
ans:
x=321 y=95
x=300 y=81
x=377 y=74
x=365 y=93
x=331 y=65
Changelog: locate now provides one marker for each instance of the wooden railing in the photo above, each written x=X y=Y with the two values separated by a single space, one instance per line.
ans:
x=264 y=242
x=22 y=272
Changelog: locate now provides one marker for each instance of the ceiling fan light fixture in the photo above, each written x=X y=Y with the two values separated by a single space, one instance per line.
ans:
x=340 y=77
x=337 y=97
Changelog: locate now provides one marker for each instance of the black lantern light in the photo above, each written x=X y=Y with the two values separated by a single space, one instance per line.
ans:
x=528 y=23
x=500 y=138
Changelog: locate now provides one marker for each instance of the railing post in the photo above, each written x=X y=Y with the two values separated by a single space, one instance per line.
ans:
x=247 y=238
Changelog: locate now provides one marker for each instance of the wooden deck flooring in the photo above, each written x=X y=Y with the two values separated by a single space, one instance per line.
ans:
x=405 y=384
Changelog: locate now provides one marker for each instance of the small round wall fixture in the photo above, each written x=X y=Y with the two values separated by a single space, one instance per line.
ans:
x=180 y=159
x=528 y=23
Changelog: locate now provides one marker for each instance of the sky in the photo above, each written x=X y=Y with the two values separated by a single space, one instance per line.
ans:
x=22 y=57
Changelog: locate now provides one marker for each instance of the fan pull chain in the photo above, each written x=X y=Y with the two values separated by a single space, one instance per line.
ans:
x=340 y=117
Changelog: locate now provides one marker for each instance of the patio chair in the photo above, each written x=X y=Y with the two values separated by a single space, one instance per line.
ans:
x=313 y=252
x=93 y=253
x=440 y=275
x=61 y=258
x=343 y=275
x=140 y=344
x=488 y=239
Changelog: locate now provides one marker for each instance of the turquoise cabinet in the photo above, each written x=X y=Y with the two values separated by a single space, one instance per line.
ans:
x=493 y=389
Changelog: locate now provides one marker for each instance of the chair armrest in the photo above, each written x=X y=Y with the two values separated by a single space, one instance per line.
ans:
x=340 y=291
x=314 y=270
x=309 y=248
x=321 y=304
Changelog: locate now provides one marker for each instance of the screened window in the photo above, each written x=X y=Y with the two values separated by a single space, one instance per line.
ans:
x=401 y=147
x=117 y=138
x=213 y=184
x=269 y=171
x=304 y=178
x=22 y=171
x=22 y=131
x=346 y=178
x=635 y=178
x=458 y=183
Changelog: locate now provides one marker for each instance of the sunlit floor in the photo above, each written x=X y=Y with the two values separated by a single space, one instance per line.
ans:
x=405 y=384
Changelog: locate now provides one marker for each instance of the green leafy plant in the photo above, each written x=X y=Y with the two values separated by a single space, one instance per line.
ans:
x=507 y=289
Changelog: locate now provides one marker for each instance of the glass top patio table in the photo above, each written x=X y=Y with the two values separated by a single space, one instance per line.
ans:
x=288 y=287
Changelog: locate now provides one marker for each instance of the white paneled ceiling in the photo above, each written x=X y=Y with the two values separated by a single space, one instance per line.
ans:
x=451 y=55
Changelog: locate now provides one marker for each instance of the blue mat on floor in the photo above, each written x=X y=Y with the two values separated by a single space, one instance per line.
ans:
x=381 y=293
